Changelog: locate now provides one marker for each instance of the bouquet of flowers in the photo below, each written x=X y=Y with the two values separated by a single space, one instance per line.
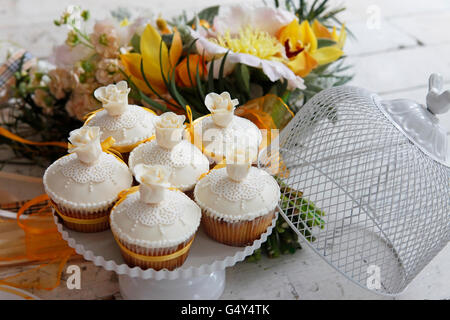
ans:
x=289 y=51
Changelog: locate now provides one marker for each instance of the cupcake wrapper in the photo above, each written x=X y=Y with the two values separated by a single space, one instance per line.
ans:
x=85 y=215
x=236 y=234
x=151 y=252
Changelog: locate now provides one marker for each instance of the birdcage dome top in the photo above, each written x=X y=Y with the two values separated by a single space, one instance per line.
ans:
x=419 y=125
x=377 y=177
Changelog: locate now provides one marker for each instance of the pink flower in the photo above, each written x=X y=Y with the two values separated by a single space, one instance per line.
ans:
x=105 y=39
x=108 y=71
x=43 y=100
x=65 y=56
x=60 y=82
x=82 y=101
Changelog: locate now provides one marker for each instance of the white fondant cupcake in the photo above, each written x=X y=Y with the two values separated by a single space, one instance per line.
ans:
x=129 y=125
x=238 y=201
x=221 y=131
x=84 y=185
x=185 y=161
x=154 y=226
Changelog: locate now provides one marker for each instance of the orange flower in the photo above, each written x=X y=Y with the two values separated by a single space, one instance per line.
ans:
x=183 y=72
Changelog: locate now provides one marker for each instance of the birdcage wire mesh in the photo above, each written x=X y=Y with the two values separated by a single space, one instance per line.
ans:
x=385 y=203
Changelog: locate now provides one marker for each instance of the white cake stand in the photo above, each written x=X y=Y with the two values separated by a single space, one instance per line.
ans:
x=202 y=276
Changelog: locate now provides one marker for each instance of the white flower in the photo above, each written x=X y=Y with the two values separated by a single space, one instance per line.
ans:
x=267 y=19
x=239 y=162
x=114 y=97
x=170 y=120
x=169 y=130
x=71 y=17
x=233 y=19
x=221 y=107
x=152 y=175
x=240 y=156
x=154 y=180
x=86 y=143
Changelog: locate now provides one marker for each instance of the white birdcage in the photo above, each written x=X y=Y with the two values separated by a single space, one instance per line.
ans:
x=379 y=172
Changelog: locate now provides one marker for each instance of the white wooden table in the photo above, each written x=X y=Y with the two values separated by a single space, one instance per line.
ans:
x=399 y=43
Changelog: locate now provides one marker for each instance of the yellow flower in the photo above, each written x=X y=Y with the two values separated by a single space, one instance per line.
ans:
x=155 y=56
x=322 y=32
x=251 y=41
x=300 y=42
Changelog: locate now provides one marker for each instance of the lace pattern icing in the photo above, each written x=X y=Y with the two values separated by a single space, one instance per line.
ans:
x=127 y=120
x=81 y=173
x=234 y=191
x=233 y=133
x=167 y=212
x=183 y=154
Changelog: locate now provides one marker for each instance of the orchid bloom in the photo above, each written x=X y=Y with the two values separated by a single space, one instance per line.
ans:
x=322 y=32
x=157 y=60
x=301 y=46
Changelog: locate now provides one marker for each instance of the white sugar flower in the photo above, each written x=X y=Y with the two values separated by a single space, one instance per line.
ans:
x=154 y=180
x=240 y=156
x=239 y=162
x=221 y=107
x=114 y=97
x=169 y=129
x=86 y=144
x=170 y=120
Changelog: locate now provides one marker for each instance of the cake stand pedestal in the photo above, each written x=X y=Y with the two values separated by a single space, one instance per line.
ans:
x=202 y=276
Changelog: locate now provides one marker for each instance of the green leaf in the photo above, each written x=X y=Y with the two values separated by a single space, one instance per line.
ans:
x=136 y=43
x=243 y=78
x=187 y=62
x=211 y=77
x=207 y=14
x=150 y=86
x=174 y=92
x=322 y=42
x=222 y=67
x=152 y=102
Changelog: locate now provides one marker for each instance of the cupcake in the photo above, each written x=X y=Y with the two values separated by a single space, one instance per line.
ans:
x=154 y=226
x=238 y=201
x=222 y=130
x=84 y=185
x=185 y=162
x=129 y=125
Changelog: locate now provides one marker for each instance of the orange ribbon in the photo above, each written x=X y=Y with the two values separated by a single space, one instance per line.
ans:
x=14 y=137
x=39 y=242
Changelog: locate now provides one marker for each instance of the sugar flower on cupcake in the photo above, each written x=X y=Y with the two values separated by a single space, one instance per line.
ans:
x=221 y=107
x=154 y=180
x=86 y=143
x=185 y=161
x=114 y=97
x=84 y=185
x=128 y=124
x=169 y=129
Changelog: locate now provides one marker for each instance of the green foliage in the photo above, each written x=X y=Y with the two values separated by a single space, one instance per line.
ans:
x=318 y=9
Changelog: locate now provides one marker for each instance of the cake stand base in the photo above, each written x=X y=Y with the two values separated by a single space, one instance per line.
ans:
x=204 y=287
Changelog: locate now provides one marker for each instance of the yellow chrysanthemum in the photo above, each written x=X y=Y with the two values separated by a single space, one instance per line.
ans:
x=251 y=41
